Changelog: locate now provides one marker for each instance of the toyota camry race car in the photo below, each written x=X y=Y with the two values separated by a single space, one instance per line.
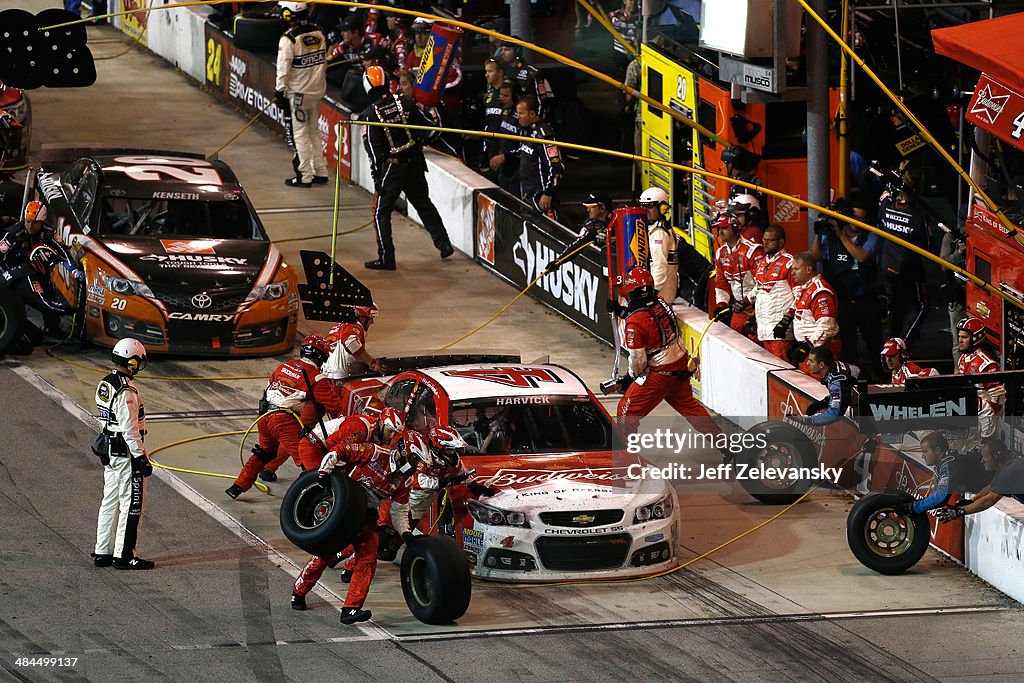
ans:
x=14 y=151
x=173 y=252
x=567 y=506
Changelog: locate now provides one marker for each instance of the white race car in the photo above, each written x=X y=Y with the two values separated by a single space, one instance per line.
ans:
x=566 y=507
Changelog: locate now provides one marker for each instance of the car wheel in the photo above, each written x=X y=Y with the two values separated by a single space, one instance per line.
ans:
x=884 y=540
x=435 y=579
x=323 y=519
x=12 y=318
x=785 y=447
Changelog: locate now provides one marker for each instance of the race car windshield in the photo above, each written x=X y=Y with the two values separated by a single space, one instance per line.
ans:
x=547 y=424
x=224 y=220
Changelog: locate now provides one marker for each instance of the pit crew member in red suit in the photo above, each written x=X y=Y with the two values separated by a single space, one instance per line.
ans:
x=813 y=315
x=735 y=260
x=970 y=334
x=386 y=473
x=354 y=429
x=658 y=360
x=284 y=398
x=349 y=344
x=894 y=356
x=773 y=292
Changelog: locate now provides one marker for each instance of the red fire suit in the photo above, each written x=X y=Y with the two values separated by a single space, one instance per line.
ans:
x=279 y=431
x=347 y=340
x=991 y=396
x=661 y=365
x=734 y=276
x=814 y=315
x=911 y=369
x=773 y=297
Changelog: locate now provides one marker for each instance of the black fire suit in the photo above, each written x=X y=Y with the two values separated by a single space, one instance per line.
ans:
x=25 y=264
x=397 y=165
x=540 y=164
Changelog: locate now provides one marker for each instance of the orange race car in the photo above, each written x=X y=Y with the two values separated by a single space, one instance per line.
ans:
x=173 y=252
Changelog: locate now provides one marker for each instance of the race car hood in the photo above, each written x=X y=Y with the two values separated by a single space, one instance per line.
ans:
x=558 y=480
x=199 y=264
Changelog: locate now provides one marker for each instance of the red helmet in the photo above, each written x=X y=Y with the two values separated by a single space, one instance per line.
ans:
x=366 y=311
x=316 y=348
x=974 y=327
x=389 y=422
x=895 y=347
x=446 y=445
x=638 y=277
x=725 y=220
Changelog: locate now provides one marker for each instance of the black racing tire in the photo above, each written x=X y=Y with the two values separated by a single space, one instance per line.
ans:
x=786 y=446
x=258 y=33
x=881 y=539
x=321 y=520
x=435 y=579
x=12 y=318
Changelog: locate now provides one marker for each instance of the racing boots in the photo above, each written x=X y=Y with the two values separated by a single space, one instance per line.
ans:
x=353 y=615
x=346 y=575
x=298 y=602
x=447 y=250
x=297 y=182
x=234 y=491
x=320 y=180
x=134 y=563
x=381 y=264
x=267 y=475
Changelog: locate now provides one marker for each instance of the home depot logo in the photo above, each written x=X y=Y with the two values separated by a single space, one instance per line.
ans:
x=988 y=106
x=485 y=228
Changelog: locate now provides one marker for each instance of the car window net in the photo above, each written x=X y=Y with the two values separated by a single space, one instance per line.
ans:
x=178 y=218
x=560 y=425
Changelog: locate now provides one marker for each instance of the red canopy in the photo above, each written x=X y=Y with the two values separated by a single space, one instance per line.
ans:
x=992 y=46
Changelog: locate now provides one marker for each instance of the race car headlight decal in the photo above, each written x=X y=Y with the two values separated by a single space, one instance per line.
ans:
x=268 y=292
x=124 y=287
x=661 y=509
x=487 y=514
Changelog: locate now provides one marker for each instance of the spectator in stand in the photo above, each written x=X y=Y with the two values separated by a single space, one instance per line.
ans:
x=894 y=355
x=773 y=293
x=540 y=162
x=735 y=260
x=420 y=37
x=527 y=79
x=627 y=22
x=813 y=316
x=504 y=162
x=1008 y=481
x=902 y=270
x=849 y=258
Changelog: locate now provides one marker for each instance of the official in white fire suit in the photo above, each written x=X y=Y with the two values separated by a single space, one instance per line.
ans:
x=301 y=82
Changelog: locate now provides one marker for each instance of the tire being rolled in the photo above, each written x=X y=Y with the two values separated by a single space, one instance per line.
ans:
x=883 y=540
x=321 y=520
x=435 y=579
x=786 y=446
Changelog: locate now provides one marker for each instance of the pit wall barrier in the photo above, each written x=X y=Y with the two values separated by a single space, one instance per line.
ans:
x=736 y=377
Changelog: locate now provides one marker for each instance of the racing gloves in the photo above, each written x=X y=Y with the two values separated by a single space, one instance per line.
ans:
x=782 y=327
x=143 y=466
x=948 y=514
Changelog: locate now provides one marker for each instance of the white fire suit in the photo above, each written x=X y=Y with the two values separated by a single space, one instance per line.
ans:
x=664 y=259
x=124 y=417
x=302 y=76
x=773 y=292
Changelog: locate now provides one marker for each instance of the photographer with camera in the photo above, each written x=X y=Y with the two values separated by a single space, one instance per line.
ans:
x=849 y=257
x=902 y=271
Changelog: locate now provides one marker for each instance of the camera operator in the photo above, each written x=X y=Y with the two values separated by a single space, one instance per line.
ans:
x=849 y=257
x=902 y=271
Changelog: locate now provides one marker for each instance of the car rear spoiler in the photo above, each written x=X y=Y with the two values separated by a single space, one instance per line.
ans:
x=63 y=154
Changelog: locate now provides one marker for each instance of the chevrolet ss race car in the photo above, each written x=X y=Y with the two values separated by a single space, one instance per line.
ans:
x=566 y=507
x=173 y=252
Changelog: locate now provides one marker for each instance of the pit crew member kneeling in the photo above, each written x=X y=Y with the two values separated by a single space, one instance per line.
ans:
x=658 y=361
x=838 y=378
x=1008 y=481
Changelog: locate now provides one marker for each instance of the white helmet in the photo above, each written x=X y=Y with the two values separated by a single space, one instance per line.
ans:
x=654 y=196
x=290 y=9
x=748 y=199
x=129 y=355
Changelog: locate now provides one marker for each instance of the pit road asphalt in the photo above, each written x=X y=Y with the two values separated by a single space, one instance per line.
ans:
x=216 y=607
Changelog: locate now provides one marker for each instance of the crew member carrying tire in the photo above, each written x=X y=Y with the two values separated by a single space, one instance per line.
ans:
x=283 y=399
x=384 y=474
